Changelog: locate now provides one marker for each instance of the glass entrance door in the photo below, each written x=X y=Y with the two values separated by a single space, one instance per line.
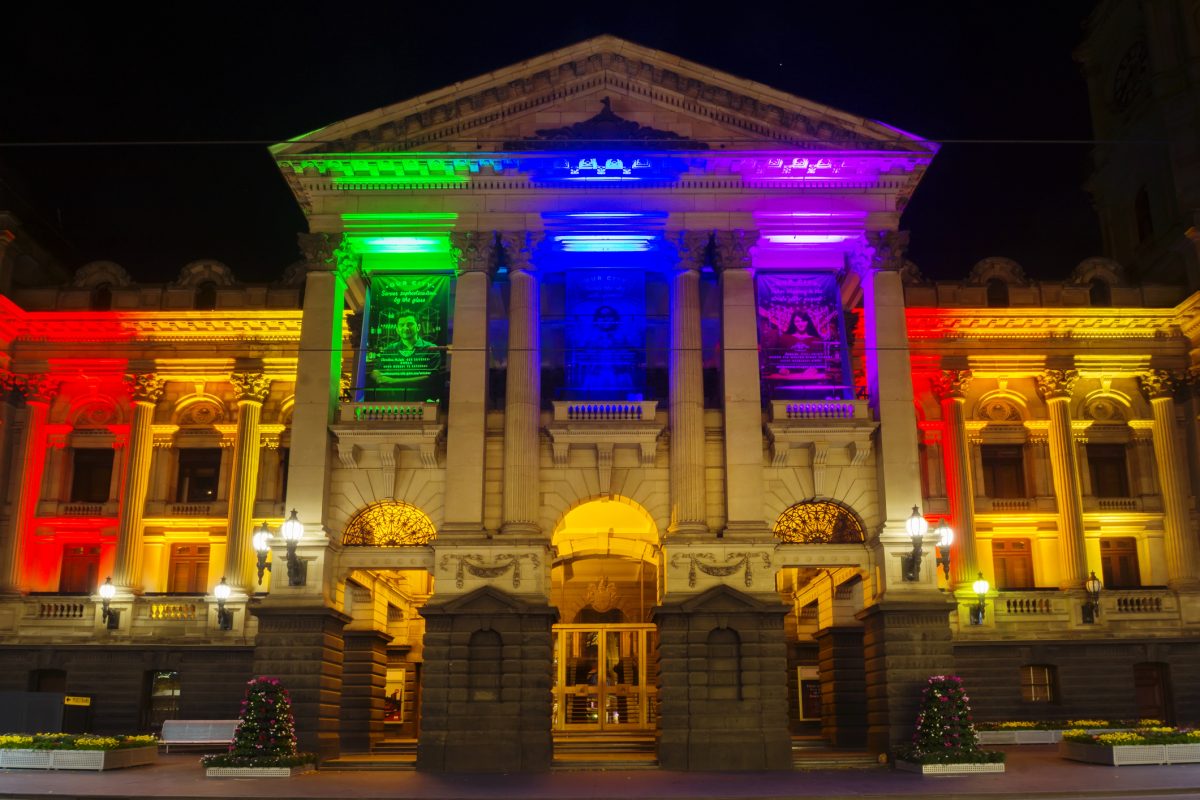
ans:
x=605 y=677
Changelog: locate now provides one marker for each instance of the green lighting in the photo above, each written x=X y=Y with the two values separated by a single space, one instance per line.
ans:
x=398 y=180
x=403 y=244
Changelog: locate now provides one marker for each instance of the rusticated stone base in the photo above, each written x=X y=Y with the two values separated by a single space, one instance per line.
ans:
x=722 y=684
x=486 y=695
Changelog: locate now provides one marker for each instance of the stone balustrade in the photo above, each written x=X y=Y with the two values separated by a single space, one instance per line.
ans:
x=782 y=410
x=604 y=410
x=388 y=411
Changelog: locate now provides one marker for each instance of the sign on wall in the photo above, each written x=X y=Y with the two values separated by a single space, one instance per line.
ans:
x=801 y=339
x=406 y=337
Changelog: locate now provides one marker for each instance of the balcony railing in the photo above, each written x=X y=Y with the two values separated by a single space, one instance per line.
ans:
x=783 y=410
x=157 y=617
x=605 y=411
x=389 y=411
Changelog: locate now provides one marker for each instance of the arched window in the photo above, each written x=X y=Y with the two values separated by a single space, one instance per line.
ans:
x=206 y=296
x=101 y=299
x=997 y=293
x=1099 y=292
x=724 y=660
x=484 y=662
x=819 y=522
x=392 y=523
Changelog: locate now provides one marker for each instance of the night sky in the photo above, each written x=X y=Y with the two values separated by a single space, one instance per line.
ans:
x=92 y=80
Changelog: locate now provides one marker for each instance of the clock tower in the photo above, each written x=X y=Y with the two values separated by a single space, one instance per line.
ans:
x=1141 y=59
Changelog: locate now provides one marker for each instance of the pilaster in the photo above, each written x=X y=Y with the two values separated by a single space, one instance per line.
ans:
x=1159 y=387
x=465 y=440
x=742 y=389
x=1056 y=386
x=956 y=454
x=364 y=685
x=250 y=391
x=523 y=388
x=688 y=500
x=39 y=392
x=146 y=389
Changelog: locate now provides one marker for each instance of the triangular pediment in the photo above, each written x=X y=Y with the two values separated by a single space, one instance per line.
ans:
x=724 y=599
x=484 y=600
x=662 y=99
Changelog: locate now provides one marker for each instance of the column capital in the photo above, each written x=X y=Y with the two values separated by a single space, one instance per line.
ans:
x=519 y=247
x=952 y=384
x=250 y=386
x=472 y=251
x=733 y=248
x=1055 y=384
x=881 y=251
x=326 y=252
x=691 y=248
x=36 y=388
x=1158 y=383
x=145 y=387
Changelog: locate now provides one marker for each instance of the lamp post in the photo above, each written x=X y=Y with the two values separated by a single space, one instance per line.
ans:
x=945 y=539
x=261 y=541
x=917 y=527
x=293 y=532
x=110 y=617
x=224 y=615
x=981 y=587
x=1091 y=609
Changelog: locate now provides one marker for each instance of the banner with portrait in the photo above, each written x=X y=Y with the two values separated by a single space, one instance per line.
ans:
x=801 y=337
x=406 y=337
x=606 y=336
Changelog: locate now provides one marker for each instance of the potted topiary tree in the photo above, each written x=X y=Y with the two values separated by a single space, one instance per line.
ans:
x=264 y=744
x=945 y=742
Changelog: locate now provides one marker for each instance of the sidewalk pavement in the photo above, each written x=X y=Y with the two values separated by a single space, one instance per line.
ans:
x=1033 y=772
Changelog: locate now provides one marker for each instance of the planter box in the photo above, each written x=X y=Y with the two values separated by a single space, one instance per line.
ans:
x=78 y=759
x=1130 y=754
x=1019 y=737
x=948 y=769
x=257 y=772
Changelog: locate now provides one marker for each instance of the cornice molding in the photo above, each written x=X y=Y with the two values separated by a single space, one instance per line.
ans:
x=1041 y=323
x=267 y=325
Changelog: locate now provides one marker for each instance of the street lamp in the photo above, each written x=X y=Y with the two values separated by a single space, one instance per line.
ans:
x=261 y=541
x=1091 y=609
x=224 y=615
x=981 y=587
x=945 y=539
x=110 y=617
x=917 y=527
x=293 y=532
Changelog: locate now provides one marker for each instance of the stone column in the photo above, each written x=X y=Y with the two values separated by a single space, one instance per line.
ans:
x=1159 y=387
x=250 y=390
x=39 y=392
x=364 y=683
x=466 y=440
x=318 y=382
x=889 y=379
x=127 y=564
x=742 y=390
x=689 y=507
x=1055 y=387
x=522 y=389
x=843 y=686
x=951 y=390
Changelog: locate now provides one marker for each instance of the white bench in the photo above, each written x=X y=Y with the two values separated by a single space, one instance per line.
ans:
x=208 y=732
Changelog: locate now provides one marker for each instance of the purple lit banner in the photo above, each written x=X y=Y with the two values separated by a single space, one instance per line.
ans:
x=800 y=336
x=606 y=335
x=406 y=336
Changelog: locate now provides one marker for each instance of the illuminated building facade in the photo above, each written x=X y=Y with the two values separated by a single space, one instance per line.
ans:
x=604 y=395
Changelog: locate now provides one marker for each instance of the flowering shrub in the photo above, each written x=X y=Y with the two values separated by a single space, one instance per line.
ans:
x=945 y=733
x=266 y=734
x=1157 y=734
x=71 y=741
x=1058 y=724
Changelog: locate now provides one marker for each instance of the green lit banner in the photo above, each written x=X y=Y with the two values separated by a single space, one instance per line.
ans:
x=406 y=337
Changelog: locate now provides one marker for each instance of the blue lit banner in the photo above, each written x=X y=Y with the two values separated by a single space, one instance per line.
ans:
x=406 y=336
x=606 y=337
x=802 y=350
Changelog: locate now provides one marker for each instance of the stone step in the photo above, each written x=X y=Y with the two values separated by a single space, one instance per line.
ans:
x=371 y=762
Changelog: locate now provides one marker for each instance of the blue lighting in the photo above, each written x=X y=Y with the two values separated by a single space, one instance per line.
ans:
x=605 y=242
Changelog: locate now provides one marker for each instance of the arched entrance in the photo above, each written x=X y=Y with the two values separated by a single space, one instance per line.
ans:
x=605 y=581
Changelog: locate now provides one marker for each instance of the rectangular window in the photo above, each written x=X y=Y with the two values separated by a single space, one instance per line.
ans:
x=91 y=475
x=162 y=700
x=80 y=569
x=1039 y=683
x=1110 y=477
x=1004 y=471
x=1013 y=562
x=1119 y=563
x=199 y=472
x=188 y=569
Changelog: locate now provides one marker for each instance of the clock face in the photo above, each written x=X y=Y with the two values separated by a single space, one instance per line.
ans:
x=1130 y=75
